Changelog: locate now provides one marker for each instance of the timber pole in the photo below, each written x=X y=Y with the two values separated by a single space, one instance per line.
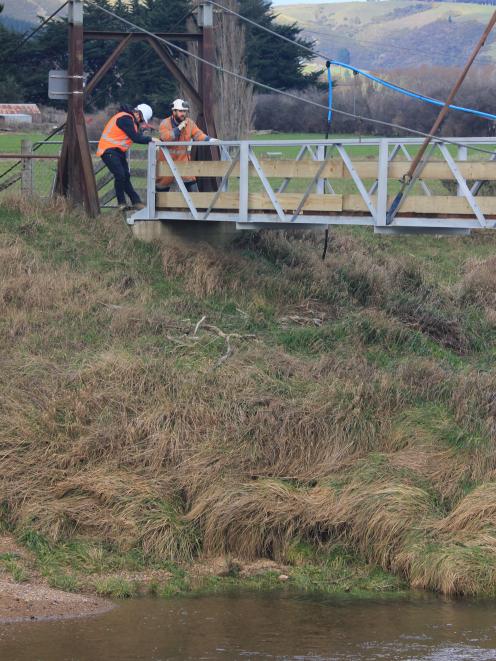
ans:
x=416 y=164
x=75 y=175
x=207 y=73
x=206 y=82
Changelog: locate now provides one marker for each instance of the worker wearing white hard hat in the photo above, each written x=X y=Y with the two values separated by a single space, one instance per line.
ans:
x=179 y=127
x=121 y=131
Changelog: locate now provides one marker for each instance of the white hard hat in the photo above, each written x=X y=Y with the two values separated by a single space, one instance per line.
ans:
x=146 y=111
x=180 y=104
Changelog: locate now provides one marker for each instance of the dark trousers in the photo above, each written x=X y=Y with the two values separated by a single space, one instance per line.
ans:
x=191 y=187
x=116 y=161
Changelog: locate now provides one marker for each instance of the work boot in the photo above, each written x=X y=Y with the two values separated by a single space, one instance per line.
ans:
x=137 y=206
x=122 y=207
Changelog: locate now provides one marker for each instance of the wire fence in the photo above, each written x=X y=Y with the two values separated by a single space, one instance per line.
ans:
x=35 y=173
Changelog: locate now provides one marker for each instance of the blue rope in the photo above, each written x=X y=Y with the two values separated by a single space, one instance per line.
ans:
x=329 y=98
x=413 y=95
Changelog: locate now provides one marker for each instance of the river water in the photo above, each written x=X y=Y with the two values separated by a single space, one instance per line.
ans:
x=263 y=627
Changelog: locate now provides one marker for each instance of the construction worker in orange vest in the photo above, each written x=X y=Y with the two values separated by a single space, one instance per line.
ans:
x=118 y=135
x=181 y=128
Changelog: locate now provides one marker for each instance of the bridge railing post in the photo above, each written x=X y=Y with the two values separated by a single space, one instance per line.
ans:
x=244 y=171
x=321 y=154
x=382 y=182
x=462 y=156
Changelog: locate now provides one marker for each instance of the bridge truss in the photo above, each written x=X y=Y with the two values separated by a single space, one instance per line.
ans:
x=311 y=183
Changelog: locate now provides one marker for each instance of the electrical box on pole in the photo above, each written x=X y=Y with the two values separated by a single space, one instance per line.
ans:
x=58 y=85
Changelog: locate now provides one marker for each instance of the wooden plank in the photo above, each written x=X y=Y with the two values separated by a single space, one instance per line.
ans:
x=335 y=169
x=441 y=205
x=256 y=201
x=424 y=204
x=441 y=170
x=272 y=168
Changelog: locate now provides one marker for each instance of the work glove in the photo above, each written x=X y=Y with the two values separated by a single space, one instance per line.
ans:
x=214 y=141
x=156 y=140
x=183 y=125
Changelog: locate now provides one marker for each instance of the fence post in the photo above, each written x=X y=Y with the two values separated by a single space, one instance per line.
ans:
x=27 y=168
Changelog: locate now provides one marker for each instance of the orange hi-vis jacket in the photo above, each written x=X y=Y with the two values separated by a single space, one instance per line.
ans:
x=181 y=154
x=113 y=137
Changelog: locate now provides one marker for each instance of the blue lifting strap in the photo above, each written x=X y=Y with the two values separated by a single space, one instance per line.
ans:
x=329 y=98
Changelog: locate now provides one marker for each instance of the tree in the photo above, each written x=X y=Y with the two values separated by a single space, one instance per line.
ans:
x=11 y=88
x=344 y=55
x=270 y=60
x=138 y=74
x=235 y=104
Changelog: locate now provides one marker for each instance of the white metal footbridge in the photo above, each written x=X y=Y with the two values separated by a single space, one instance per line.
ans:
x=310 y=183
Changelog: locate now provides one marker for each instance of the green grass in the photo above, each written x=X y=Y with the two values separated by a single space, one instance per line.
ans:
x=118 y=588
x=13 y=564
x=322 y=572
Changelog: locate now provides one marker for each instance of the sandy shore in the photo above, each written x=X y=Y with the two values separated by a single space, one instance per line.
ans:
x=34 y=600
x=28 y=602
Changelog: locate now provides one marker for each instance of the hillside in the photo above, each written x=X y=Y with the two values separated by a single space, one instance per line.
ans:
x=29 y=10
x=394 y=33
x=162 y=404
x=378 y=35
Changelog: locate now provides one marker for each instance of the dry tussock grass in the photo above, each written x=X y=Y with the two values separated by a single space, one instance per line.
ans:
x=478 y=285
x=380 y=517
x=141 y=443
x=252 y=519
x=459 y=565
x=476 y=513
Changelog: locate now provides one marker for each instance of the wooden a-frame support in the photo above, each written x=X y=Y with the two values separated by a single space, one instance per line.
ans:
x=75 y=175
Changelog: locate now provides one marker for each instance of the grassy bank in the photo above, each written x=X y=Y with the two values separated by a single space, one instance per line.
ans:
x=163 y=405
x=90 y=566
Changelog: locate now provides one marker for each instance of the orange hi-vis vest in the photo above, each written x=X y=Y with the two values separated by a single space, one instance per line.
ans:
x=113 y=137
x=179 y=154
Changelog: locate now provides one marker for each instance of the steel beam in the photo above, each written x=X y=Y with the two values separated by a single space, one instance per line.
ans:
x=222 y=185
x=140 y=36
x=180 y=183
x=463 y=188
x=308 y=191
x=382 y=186
x=266 y=184
x=358 y=182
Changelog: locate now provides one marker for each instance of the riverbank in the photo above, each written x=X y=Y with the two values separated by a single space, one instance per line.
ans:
x=21 y=603
x=39 y=582
x=26 y=596
x=162 y=405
